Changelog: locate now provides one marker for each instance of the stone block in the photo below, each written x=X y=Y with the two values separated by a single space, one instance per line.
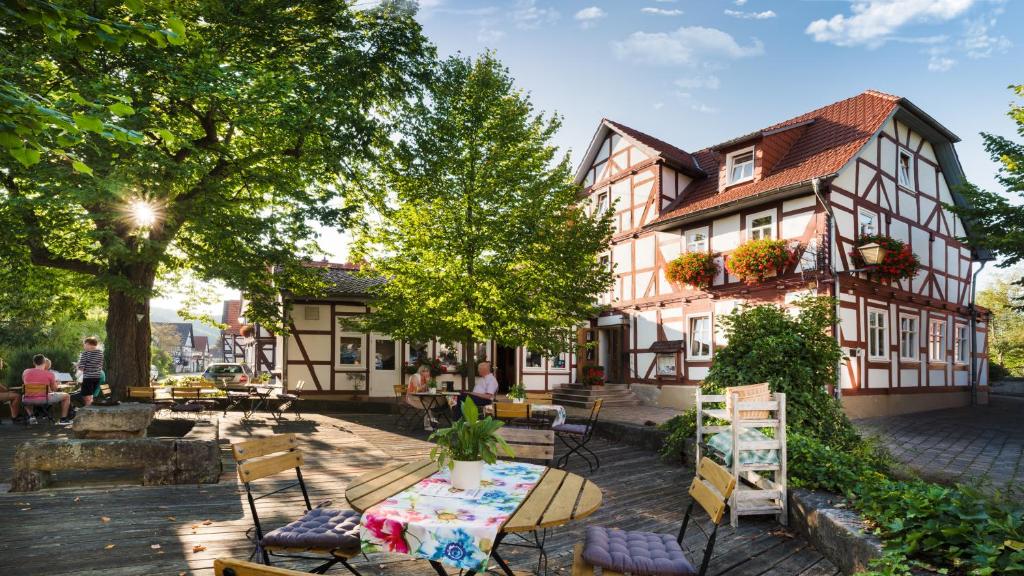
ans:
x=837 y=532
x=127 y=420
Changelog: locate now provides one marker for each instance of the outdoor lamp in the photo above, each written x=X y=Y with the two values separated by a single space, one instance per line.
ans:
x=872 y=253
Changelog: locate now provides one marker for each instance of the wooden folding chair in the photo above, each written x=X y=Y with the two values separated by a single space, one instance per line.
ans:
x=320 y=534
x=38 y=395
x=188 y=400
x=539 y=397
x=711 y=488
x=510 y=412
x=230 y=567
x=289 y=400
x=536 y=445
x=575 y=437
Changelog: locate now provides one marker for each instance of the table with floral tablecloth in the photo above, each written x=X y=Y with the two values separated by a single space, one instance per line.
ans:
x=432 y=520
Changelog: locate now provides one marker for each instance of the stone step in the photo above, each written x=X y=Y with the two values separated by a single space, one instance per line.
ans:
x=592 y=393
x=590 y=403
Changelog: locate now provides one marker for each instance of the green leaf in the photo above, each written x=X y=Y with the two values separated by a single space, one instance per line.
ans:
x=90 y=123
x=166 y=135
x=121 y=109
x=27 y=156
x=81 y=167
x=177 y=30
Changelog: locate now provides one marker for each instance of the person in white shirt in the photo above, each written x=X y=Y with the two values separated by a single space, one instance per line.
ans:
x=484 y=389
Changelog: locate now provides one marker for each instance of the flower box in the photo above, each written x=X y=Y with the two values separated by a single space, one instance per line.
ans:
x=696 y=269
x=899 y=261
x=755 y=260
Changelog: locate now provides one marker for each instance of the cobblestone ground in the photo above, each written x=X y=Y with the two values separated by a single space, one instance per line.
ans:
x=980 y=445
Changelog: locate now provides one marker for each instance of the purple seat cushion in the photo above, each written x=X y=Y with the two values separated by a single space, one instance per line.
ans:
x=319 y=529
x=638 y=553
x=580 y=429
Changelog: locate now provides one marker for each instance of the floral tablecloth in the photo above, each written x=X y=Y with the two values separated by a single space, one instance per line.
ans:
x=433 y=521
x=559 y=412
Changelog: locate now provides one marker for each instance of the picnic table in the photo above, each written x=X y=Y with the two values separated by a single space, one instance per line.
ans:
x=411 y=508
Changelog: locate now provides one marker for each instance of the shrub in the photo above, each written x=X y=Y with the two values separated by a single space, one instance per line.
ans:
x=795 y=356
x=755 y=260
x=997 y=371
x=697 y=269
x=19 y=360
x=681 y=430
x=899 y=261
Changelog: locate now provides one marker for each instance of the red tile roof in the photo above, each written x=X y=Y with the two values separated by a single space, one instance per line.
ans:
x=232 y=310
x=681 y=158
x=200 y=343
x=818 y=145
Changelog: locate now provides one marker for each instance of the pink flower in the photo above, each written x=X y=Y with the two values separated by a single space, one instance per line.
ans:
x=389 y=531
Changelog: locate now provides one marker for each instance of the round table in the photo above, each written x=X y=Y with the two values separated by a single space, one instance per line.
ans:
x=558 y=498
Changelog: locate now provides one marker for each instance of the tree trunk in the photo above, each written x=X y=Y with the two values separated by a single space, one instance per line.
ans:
x=127 y=349
x=470 y=355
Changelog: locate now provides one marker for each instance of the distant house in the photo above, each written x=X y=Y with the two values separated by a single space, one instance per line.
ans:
x=177 y=340
x=231 y=347
x=250 y=344
x=201 y=353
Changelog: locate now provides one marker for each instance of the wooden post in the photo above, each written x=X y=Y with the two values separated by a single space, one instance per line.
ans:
x=700 y=426
x=781 y=480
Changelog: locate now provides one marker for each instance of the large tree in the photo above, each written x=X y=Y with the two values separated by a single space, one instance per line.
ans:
x=997 y=221
x=247 y=128
x=476 y=223
x=1004 y=299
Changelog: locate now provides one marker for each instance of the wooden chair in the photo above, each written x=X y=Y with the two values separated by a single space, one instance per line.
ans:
x=539 y=397
x=530 y=443
x=304 y=538
x=510 y=412
x=405 y=415
x=229 y=567
x=575 y=437
x=188 y=400
x=290 y=400
x=38 y=395
x=711 y=488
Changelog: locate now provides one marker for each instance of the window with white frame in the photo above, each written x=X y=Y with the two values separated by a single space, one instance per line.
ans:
x=700 y=337
x=534 y=359
x=877 y=335
x=908 y=338
x=741 y=166
x=558 y=361
x=697 y=240
x=350 y=350
x=937 y=340
x=761 y=225
x=602 y=202
x=961 y=345
x=904 y=168
x=866 y=222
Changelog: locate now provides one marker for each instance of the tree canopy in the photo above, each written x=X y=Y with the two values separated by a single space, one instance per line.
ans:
x=475 y=221
x=1004 y=299
x=245 y=131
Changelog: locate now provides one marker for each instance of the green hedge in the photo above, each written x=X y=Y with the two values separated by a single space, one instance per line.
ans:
x=19 y=360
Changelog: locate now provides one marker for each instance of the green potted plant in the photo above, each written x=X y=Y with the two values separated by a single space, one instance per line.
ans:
x=517 y=393
x=432 y=385
x=465 y=446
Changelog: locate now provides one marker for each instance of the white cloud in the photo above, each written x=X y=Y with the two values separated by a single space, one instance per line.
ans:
x=658 y=105
x=872 y=22
x=751 y=15
x=711 y=82
x=661 y=11
x=978 y=43
x=488 y=35
x=940 y=63
x=739 y=2
x=588 y=17
x=528 y=16
x=687 y=46
x=704 y=108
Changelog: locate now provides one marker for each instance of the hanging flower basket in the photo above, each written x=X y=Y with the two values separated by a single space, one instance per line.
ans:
x=697 y=269
x=756 y=260
x=899 y=262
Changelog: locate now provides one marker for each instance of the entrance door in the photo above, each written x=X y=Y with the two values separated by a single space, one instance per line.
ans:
x=505 y=365
x=614 y=357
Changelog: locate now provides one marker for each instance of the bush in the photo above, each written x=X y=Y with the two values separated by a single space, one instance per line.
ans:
x=815 y=465
x=997 y=372
x=681 y=430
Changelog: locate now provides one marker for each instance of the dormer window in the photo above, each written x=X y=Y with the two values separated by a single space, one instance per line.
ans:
x=903 y=169
x=740 y=166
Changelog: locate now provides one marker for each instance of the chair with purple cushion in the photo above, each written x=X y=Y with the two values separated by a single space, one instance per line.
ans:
x=320 y=534
x=576 y=436
x=620 y=552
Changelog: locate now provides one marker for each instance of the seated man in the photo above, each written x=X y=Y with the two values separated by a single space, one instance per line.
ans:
x=484 y=389
x=40 y=375
x=14 y=398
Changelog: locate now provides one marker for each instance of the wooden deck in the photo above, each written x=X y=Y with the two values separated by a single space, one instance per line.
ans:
x=112 y=530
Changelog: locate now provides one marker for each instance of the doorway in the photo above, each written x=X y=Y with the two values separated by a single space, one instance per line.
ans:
x=613 y=355
x=505 y=368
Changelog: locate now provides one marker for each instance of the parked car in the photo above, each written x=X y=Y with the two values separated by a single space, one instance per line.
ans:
x=228 y=374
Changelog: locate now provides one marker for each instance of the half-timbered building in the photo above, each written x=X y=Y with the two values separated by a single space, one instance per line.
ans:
x=871 y=163
x=335 y=362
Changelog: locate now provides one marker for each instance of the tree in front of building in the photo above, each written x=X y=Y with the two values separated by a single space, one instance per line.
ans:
x=476 y=223
x=243 y=132
x=1004 y=299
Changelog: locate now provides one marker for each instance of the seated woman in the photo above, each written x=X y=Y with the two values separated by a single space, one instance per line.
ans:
x=484 y=389
x=15 y=402
x=418 y=382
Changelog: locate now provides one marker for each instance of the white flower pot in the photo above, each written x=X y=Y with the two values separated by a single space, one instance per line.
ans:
x=466 y=474
x=518 y=400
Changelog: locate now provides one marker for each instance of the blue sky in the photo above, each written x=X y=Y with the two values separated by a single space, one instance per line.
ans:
x=695 y=73
x=698 y=72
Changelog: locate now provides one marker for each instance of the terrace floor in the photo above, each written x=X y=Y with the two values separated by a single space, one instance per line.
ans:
x=175 y=530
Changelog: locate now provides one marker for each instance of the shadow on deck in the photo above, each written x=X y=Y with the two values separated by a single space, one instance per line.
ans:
x=117 y=530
